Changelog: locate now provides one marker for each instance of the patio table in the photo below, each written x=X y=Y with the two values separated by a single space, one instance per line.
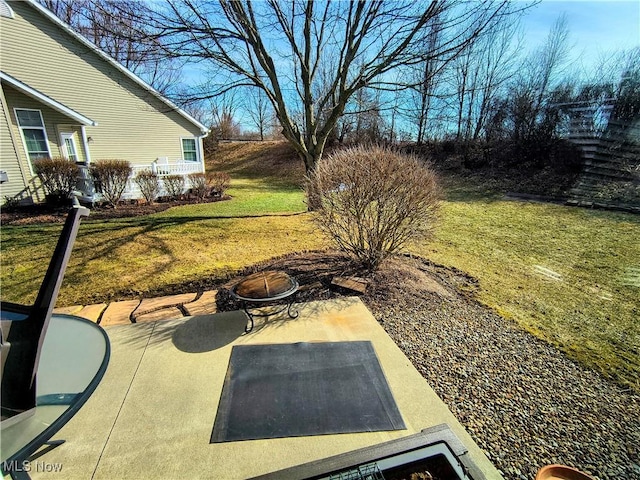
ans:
x=264 y=288
x=73 y=360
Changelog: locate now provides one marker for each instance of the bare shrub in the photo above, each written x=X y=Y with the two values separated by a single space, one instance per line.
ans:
x=10 y=204
x=149 y=185
x=209 y=184
x=59 y=177
x=219 y=182
x=373 y=201
x=619 y=192
x=173 y=185
x=199 y=186
x=110 y=177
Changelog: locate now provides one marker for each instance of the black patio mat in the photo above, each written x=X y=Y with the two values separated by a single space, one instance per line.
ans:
x=293 y=390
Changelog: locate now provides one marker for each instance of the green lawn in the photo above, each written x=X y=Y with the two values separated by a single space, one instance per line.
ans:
x=568 y=275
x=126 y=257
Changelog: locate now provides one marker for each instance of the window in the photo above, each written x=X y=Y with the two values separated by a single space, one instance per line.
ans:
x=33 y=133
x=190 y=149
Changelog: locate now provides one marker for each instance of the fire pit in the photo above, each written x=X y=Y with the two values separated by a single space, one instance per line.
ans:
x=265 y=288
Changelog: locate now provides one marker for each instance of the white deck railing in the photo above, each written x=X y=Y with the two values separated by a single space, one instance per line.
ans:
x=86 y=185
x=162 y=170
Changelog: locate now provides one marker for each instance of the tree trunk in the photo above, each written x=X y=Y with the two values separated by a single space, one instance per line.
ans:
x=310 y=160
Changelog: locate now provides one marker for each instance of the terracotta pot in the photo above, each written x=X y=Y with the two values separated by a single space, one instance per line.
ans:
x=561 y=472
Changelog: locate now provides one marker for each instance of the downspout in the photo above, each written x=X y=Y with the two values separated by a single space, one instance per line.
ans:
x=88 y=183
x=201 y=151
x=85 y=145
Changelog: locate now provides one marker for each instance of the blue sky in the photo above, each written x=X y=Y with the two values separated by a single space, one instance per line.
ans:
x=595 y=27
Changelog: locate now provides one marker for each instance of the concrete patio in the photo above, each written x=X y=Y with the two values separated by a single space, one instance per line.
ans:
x=153 y=413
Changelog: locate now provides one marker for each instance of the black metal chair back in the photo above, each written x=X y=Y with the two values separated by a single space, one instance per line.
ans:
x=23 y=334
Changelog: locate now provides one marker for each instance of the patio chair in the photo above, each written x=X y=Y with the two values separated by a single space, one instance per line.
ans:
x=23 y=329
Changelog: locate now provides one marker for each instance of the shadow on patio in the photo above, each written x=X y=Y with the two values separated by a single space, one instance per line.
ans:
x=153 y=414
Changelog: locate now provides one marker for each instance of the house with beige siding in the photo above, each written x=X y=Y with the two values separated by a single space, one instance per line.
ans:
x=60 y=96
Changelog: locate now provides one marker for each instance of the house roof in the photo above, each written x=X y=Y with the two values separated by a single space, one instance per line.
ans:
x=44 y=11
x=33 y=93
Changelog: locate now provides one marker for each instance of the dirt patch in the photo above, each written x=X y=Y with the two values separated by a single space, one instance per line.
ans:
x=397 y=278
x=400 y=279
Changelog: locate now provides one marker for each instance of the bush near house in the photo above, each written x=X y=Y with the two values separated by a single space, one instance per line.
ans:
x=209 y=184
x=219 y=182
x=173 y=185
x=374 y=201
x=59 y=177
x=149 y=185
x=10 y=204
x=199 y=187
x=110 y=177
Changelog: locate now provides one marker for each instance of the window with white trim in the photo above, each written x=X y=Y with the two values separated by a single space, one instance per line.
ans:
x=190 y=149
x=33 y=133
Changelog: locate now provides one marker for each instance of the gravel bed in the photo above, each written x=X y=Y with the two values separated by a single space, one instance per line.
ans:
x=523 y=401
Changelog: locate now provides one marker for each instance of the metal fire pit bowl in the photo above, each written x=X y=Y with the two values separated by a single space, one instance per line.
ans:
x=263 y=289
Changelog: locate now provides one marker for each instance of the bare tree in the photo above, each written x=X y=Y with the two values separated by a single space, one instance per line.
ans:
x=395 y=111
x=223 y=108
x=623 y=128
x=458 y=90
x=479 y=74
x=428 y=74
x=65 y=10
x=499 y=60
x=538 y=77
x=365 y=110
x=279 y=48
x=465 y=79
x=628 y=90
x=198 y=110
x=259 y=110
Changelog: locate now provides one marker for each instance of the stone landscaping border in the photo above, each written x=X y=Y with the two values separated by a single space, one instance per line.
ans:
x=146 y=309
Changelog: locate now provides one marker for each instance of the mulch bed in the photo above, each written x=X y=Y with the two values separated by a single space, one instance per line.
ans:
x=42 y=213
